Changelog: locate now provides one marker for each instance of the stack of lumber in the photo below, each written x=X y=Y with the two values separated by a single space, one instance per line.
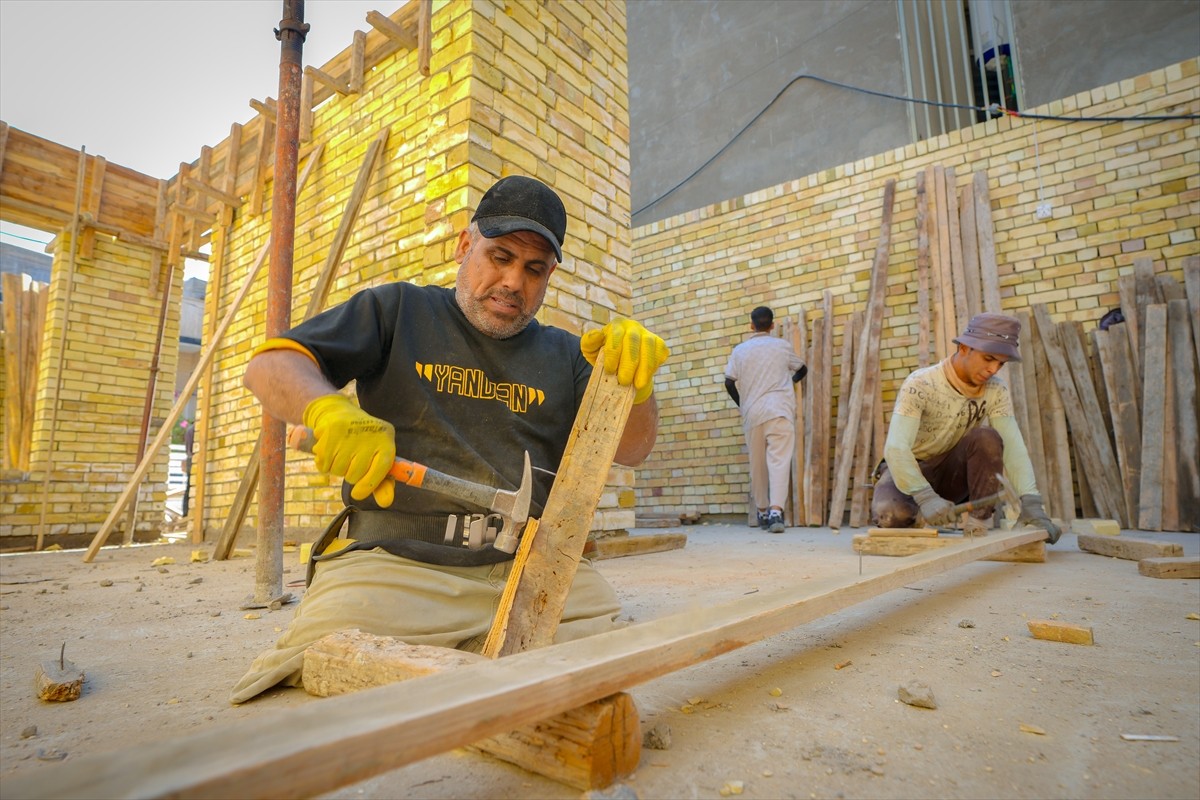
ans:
x=24 y=320
x=1128 y=394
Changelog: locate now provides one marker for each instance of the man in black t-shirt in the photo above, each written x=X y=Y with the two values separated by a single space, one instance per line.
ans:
x=465 y=381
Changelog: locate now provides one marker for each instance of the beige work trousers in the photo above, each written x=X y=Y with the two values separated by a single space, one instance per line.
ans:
x=379 y=593
x=772 y=445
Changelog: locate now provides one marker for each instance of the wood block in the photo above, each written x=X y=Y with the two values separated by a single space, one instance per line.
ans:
x=1180 y=567
x=1131 y=549
x=902 y=532
x=1033 y=552
x=59 y=681
x=1096 y=527
x=589 y=747
x=617 y=546
x=689 y=517
x=1054 y=631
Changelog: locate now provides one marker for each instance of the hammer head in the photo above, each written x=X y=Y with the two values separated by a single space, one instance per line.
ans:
x=1008 y=494
x=513 y=508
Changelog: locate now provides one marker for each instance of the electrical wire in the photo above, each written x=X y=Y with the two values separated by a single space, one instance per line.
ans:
x=26 y=238
x=992 y=110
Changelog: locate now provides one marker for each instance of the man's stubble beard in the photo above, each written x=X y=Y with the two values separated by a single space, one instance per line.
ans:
x=472 y=308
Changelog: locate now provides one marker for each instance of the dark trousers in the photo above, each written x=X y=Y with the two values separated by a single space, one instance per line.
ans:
x=965 y=472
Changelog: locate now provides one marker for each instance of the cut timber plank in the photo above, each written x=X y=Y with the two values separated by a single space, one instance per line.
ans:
x=1034 y=552
x=1130 y=549
x=562 y=533
x=923 y=268
x=988 y=276
x=1060 y=497
x=587 y=747
x=1096 y=527
x=617 y=546
x=929 y=532
x=1154 y=409
x=1054 y=631
x=1186 y=424
x=1178 y=567
x=59 y=681
x=367 y=733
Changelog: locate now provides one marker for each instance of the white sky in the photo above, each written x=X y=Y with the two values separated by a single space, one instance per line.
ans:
x=147 y=83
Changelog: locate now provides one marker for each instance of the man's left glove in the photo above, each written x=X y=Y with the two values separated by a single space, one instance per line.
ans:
x=630 y=351
x=1033 y=515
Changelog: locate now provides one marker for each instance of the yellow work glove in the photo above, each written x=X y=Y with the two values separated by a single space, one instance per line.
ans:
x=352 y=444
x=630 y=351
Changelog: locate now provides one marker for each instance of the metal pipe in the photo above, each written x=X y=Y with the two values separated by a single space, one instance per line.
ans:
x=268 y=585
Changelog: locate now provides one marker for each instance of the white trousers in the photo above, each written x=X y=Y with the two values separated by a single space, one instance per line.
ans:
x=772 y=445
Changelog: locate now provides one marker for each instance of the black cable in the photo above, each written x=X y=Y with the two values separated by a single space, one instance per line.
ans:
x=993 y=109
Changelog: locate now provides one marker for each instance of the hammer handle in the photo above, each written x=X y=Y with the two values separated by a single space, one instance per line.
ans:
x=412 y=473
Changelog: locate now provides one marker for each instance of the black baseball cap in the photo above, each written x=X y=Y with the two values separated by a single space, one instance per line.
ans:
x=519 y=203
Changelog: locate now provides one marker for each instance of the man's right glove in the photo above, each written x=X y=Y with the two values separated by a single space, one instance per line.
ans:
x=936 y=509
x=1034 y=515
x=630 y=351
x=352 y=444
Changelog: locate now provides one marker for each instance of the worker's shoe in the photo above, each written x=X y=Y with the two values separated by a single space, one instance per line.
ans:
x=775 y=521
x=972 y=527
x=762 y=520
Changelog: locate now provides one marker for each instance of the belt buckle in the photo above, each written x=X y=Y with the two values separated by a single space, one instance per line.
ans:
x=472 y=531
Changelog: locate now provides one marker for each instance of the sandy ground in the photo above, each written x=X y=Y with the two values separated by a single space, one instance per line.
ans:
x=162 y=645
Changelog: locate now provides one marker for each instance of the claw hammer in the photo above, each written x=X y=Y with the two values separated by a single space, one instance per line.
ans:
x=512 y=507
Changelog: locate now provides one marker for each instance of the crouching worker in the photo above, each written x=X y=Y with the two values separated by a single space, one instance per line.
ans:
x=465 y=381
x=951 y=433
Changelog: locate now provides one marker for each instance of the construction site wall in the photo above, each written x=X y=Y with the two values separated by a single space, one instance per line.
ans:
x=1118 y=191
x=101 y=368
x=513 y=88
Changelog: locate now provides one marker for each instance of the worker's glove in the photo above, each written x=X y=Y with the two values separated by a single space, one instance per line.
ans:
x=1033 y=515
x=630 y=351
x=935 y=509
x=352 y=444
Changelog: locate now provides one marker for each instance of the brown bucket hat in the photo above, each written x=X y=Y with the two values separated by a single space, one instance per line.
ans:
x=998 y=334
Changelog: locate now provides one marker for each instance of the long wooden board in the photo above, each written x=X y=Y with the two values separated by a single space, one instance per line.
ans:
x=337 y=741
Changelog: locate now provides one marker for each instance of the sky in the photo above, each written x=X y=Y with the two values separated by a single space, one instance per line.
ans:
x=147 y=83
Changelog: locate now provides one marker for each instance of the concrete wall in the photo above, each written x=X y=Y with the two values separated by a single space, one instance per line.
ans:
x=1119 y=191
x=701 y=70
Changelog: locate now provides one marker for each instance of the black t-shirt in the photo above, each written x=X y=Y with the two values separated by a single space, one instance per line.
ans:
x=462 y=402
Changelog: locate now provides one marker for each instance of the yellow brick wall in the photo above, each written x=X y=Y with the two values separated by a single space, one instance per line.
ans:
x=111 y=333
x=1119 y=190
x=499 y=100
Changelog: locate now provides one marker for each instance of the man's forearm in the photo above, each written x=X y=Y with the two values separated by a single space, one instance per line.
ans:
x=641 y=431
x=285 y=382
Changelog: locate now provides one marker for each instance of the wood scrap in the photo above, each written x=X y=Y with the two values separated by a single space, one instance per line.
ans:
x=1034 y=552
x=925 y=532
x=923 y=270
x=59 y=680
x=988 y=275
x=618 y=546
x=1170 y=567
x=1113 y=348
x=1095 y=527
x=1055 y=631
x=1129 y=549
x=1154 y=408
x=588 y=747
x=1059 y=494
x=1185 y=443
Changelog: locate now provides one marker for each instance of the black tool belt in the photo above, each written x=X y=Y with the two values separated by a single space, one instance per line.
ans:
x=445 y=540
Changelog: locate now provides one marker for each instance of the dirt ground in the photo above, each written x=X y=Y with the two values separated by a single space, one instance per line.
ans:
x=162 y=645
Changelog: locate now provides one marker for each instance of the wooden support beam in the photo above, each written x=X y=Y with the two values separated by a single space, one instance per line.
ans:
x=213 y=192
x=392 y=30
x=339 y=86
x=1124 y=547
x=92 y=206
x=306 y=107
x=357 y=54
x=267 y=109
x=424 y=36
x=367 y=733
x=190 y=386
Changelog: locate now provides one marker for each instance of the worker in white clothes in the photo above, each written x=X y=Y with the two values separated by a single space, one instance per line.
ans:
x=759 y=378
